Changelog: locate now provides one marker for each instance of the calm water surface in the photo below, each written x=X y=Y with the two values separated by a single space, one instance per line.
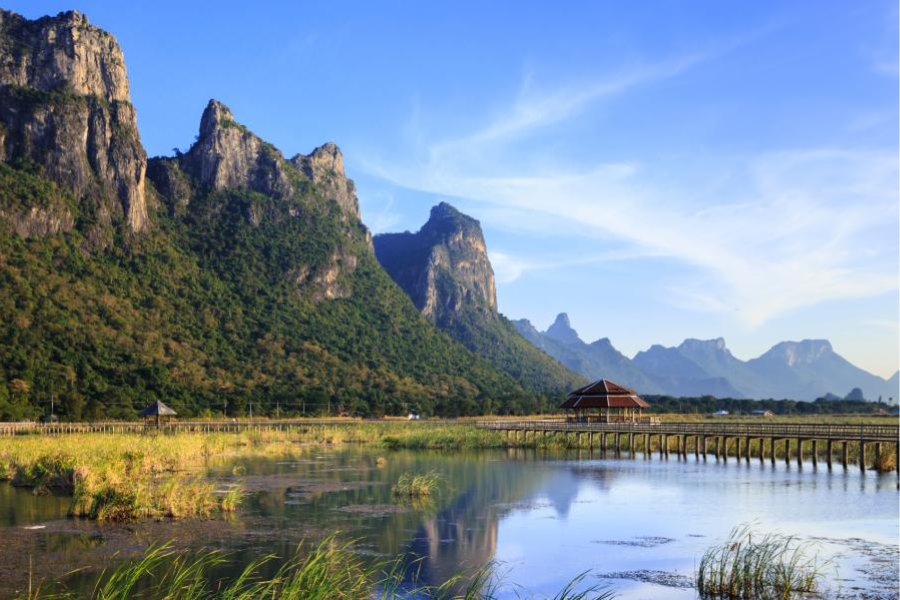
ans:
x=639 y=525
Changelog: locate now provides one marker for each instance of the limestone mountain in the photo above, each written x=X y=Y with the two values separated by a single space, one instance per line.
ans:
x=230 y=277
x=446 y=271
x=66 y=116
x=593 y=361
x=807 y=367
x=804 y=370
x=444 y=267
x=702 y=367
x=227 y=158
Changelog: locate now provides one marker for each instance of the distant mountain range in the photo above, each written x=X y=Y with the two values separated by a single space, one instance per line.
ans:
x=804 y=370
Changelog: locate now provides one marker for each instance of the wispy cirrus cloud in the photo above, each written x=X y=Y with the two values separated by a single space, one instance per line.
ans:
x=768 y=232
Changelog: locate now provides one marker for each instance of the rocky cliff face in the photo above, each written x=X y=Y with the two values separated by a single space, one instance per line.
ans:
x=229 y=157
x=66 y=115
x=444 y=268
x=325 y=168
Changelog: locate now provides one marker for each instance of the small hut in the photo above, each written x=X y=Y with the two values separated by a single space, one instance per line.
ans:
x=605 y=402
x=159 y=410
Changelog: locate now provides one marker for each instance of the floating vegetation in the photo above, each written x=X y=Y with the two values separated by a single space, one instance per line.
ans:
x=644 y=541
x=664 y=578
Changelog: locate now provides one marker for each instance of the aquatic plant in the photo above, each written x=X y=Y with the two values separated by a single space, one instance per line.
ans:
x=771 y=566
x=411 y=485
x=333 y=569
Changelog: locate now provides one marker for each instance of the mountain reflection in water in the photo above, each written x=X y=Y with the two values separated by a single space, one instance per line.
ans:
x=543 y=519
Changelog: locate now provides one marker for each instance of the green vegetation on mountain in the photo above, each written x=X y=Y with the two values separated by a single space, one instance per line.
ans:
x=200 y=314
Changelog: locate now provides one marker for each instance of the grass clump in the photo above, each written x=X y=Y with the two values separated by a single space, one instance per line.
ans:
x=418 y=485
x=771 y=566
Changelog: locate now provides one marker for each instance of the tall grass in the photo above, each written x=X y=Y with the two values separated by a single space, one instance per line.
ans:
x=332 y=570
x=118 y=477
x=771 y=566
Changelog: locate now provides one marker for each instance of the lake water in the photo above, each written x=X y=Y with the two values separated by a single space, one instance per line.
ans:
x=640 y=525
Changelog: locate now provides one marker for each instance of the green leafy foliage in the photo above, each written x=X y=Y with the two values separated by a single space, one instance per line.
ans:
x=221 y=310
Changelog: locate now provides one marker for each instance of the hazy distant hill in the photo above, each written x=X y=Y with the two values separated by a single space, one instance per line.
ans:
x=796 y=370
x=593 y=361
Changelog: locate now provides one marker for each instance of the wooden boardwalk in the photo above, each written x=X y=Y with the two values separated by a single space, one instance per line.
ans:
x=738 y=439
x=764 y=440
x=227 y=426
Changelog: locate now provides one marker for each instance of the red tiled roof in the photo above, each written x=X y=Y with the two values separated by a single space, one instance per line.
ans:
x=604 y=394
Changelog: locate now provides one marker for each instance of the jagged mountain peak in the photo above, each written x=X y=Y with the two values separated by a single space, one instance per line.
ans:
x=701 y=350
x=65 y=107
x=715 y=344
x=227 y=156
x=445 y=270
x=561 y=330
x=804 y=352
x=62 y=52
x=215 y=115
x=445 y=221
x=444 y=267
x=325 y=166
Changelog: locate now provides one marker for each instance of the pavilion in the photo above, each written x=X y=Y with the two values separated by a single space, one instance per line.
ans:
x=159 y=410
x=605 y=402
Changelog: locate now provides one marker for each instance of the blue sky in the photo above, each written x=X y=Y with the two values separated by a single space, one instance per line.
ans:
x=659 y=170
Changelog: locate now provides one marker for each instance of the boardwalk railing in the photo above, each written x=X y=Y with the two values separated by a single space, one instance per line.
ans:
x=739 y=439
x=236 y=425
x=809 y=431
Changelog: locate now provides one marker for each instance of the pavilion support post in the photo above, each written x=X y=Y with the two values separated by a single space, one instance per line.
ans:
x=772 y=449
x=815 y=453
x=787 y=451
x=631 y=443
x=703 y=442
x=762 y=449
x=877 y=455
x=799 y=452
x=646 y=445
x=845 y=455
x=739 y=442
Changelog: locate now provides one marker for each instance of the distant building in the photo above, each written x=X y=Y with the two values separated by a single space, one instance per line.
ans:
x=721 y=412
x=761 y=413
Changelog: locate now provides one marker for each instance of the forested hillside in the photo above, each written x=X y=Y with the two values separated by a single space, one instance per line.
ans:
x=223 y=280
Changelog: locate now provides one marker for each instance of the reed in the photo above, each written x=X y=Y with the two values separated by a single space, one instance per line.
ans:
x=331 y=570
x=769 y=567
x=411 y=485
